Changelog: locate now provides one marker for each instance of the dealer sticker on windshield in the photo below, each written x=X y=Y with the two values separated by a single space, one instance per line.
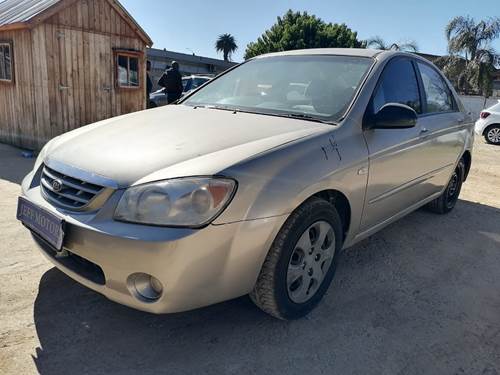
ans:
x=45 y=224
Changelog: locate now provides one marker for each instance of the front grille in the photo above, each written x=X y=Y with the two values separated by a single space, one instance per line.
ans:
x=66 y=191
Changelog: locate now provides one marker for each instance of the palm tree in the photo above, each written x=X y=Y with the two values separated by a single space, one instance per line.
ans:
x=227 y=45
x=471 y=60
x=378 y=43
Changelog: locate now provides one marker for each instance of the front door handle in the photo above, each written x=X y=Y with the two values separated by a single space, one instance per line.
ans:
x=424 y=130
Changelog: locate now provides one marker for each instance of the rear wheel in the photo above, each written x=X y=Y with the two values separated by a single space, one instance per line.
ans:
x=492 y=135
x=447 y=201
x=301 y=262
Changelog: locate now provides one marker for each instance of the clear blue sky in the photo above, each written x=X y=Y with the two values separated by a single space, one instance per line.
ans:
x=195 y=24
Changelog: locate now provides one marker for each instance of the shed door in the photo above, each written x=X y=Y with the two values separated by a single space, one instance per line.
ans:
x=84 y=77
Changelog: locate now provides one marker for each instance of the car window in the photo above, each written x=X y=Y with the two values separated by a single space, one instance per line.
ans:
x=438 y=94
x=398 y=84
x=319 y=86
x=198 y=82
x=186 y=84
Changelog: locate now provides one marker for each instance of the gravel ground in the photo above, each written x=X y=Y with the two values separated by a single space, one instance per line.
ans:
x=420 y=297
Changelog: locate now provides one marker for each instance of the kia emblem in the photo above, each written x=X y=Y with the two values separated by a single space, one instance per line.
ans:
x=57 y=185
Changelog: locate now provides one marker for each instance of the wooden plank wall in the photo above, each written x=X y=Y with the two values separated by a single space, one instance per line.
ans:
x=71 y=81
x=17 y=106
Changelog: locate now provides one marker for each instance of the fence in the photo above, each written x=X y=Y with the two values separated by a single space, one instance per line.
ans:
x=475 y=104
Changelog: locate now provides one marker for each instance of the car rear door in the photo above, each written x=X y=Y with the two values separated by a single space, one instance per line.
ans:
x=443 y=127
x=397 y=173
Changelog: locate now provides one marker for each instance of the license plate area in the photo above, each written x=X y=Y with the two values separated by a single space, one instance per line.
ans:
x=45 y=224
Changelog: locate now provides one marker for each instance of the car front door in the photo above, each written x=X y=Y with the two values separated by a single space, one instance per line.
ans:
x=397 y=175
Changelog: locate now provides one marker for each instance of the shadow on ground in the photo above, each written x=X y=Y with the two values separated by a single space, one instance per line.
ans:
x=419 y=297
x=13 y=167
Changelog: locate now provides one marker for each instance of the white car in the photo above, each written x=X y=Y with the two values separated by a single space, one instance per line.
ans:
x=488 y=124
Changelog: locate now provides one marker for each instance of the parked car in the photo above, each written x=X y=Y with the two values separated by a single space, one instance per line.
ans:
x=488 y=124
x=253 y=184
x=189 y=83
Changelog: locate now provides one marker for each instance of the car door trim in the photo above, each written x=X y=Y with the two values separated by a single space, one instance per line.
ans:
x=408 y=184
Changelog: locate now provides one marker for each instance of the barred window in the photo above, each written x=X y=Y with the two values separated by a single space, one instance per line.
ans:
x=6 y=62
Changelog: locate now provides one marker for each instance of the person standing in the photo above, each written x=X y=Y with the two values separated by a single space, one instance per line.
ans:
x=172 y=81
x=149 y=83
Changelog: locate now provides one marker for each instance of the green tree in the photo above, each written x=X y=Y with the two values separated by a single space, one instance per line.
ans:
x=227 y=45
x=296 y=30
x=378 y=43
x=471 y=60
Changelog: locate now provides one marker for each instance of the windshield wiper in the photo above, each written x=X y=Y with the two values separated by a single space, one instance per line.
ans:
x=215 y=107
x=303 y=116
x=298 y=116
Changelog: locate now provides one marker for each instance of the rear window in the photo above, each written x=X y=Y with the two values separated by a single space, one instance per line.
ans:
x=437 y=92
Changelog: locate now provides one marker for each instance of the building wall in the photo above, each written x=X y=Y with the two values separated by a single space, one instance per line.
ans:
x=188 y=64
x=73 y=74
x=17 y=100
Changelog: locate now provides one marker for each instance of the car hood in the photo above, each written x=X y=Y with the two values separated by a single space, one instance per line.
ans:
x=172 y=141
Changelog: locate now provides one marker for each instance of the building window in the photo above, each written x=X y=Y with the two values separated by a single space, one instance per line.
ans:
x=6 y=66
x=128 y=71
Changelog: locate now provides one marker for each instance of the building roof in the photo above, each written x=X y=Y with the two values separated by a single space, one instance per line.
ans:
x=20 y=14
x=20 y=11
x=171 y=55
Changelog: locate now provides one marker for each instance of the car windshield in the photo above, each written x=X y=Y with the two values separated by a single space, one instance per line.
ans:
x=309 y=86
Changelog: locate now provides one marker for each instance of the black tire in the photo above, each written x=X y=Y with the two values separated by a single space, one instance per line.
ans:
x=492 y=135
x=271 y=291
x=447 y=201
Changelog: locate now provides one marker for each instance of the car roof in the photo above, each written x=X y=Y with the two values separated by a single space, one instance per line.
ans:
x=361 y=52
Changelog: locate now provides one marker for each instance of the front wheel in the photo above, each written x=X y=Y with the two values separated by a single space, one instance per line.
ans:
x=447 y=201
x=492 y=135
x=301 y=262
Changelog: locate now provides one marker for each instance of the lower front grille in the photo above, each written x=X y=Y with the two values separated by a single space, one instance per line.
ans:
x=68 y=192
x=81 y=266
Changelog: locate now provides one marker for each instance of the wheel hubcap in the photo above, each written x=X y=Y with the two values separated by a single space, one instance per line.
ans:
x=494 y=135
x=310 y=261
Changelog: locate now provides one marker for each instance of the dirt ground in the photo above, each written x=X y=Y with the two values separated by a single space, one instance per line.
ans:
x=420 y=297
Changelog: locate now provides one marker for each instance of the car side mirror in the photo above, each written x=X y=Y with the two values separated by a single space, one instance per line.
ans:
x=394 y=116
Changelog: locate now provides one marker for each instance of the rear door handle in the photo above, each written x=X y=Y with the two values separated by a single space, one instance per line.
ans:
x=424 y=130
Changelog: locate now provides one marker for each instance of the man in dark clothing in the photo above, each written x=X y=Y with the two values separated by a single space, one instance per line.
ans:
x=172 y=81
x=149 y=83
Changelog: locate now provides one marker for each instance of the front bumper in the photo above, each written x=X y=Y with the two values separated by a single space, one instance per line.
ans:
x=196 y=267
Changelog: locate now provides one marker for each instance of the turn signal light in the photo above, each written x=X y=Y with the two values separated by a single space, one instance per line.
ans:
x=484 y=114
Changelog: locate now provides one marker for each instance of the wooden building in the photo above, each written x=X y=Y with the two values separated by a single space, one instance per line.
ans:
x=65 y=64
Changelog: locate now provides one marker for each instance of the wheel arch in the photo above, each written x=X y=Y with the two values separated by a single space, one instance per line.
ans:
x=467 y=158
x=487 y=128
x=341 y=203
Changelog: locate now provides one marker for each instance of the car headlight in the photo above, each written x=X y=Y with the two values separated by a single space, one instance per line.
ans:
x=182 y=202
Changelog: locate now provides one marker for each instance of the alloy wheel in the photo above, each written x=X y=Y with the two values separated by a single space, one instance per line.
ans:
x=494 y=135
x=452 y=190
x=310 y=261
